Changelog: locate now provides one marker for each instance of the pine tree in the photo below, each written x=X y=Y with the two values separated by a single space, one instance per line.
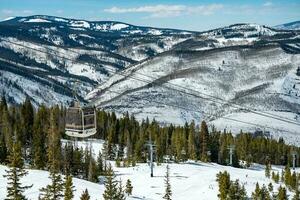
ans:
x=40 y=127
x=282 y=193
x=111 y=186
x=100 y=167
x=236 y=191
x=69 y=188
x=268 y=170
x=204 y=142
x=129 y=187
x=92 y=175
x=85 y=195
x=191 y=142
x=168 y=192
x=53 y=191
x=270 y=187
x=256 y=193
x=223 y=179
x=16 y=171
x=121 y=195
x=264 y=193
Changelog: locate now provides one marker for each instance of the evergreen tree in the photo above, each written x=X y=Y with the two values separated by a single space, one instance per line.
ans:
x=121 y=194
x=53 y=191
x=168 y=192
x=40 y=128
x=100 y=167
x=256 y=194
x=236 y=191
x=223 y=179
x=111 y=186
x=69 y=188
x=92 y=175
x=204 y=142
x=191 y=142
x=129 y=187
x=282 y=193
x=85 y=195
x=16 y=171
x=270 y=187
x=268 y=170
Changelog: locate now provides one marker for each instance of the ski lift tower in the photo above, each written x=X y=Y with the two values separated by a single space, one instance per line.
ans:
x=294 y=155
x=151 y=152
x=231 y=150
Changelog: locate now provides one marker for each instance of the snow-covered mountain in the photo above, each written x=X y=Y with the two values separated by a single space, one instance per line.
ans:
x=122 y=67
x=246 y=64
x=289 y=26
x=47 y=57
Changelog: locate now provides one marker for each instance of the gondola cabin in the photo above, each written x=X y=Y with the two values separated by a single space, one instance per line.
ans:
x=80 y=121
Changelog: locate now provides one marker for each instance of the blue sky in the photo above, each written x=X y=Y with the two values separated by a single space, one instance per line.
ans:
x=188 y=14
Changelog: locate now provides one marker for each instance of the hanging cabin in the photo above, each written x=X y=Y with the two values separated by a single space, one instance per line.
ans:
x=80 y=121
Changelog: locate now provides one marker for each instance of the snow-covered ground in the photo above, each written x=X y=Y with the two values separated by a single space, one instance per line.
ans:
x=290 y=132
x=188 y=181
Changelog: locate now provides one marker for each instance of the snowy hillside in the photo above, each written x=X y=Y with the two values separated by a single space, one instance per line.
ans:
x=263 y=78
x=289 y=26
x=51 y=56
x=194 y=180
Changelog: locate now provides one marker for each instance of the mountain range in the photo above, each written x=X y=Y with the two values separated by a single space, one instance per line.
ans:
x=171 y=75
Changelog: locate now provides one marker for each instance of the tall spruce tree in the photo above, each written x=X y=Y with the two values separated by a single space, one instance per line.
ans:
x=168 y=191
x=53 y=191
x=111 y=186
x=69 y=188
x=121 y=194
x=191 y=142
x=204 y=142
x=16 y=171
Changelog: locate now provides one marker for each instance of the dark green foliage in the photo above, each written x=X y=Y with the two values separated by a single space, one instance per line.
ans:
x=168 y=191
x=282 y=194
x=237 y=191
x=204 y=142
x=69 y=188
x=230 y=190
x=85 y=195
x=121 y=193
x=111 y=186
x=223 y=179
x=129 y=187
x=268 y=170
x=53 y=191
x=16 y=171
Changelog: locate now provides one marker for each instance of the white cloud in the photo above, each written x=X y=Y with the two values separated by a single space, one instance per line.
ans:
x=59 y=11
x=268 y=3
x=7 y=12
x=16 y=12
x=168 y=10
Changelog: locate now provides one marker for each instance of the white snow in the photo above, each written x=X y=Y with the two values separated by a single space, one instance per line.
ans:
x=193 y=181
x=8 y=18
x=83 y=24
x=289 y=132
x=37 y=20
x=118 y=26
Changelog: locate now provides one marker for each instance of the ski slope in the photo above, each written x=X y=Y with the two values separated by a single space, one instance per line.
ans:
x=190 y=180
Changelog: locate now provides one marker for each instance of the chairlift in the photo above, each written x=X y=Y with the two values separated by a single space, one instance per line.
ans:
x=80 y=121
